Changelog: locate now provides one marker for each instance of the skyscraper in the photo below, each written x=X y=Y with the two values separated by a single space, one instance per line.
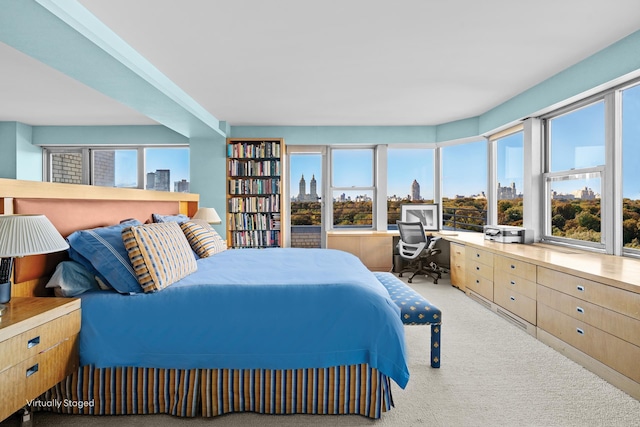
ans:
x=415 y=190
x=302 y=189
x=313 y=193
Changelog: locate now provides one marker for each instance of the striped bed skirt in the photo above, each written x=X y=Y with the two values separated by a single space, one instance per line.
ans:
x=353 y=389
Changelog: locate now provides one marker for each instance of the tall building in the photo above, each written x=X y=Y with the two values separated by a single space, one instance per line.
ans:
x=508 y=192
x=303 y=196
x=181 y=186
x=160 y=180
x=415 y=190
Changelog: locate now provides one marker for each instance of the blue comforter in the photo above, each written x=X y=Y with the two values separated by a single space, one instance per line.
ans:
x=262 y=309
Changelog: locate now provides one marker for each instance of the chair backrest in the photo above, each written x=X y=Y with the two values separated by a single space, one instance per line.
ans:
x=411 y=232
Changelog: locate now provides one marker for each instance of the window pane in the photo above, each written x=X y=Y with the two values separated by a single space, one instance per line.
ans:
x=510 y=164
x=115 y=168
x=409 y=179
x=464 y=178
x=167 y=169
x=353 y=209
x=577 y=138
x=352 y=167
x=66 y=167
x=575 y=208
x=630 y=170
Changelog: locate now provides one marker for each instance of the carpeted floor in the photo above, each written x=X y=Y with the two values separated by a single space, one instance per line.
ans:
x=492 y=374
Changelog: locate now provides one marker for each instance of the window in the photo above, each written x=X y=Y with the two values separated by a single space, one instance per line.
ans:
x=630 y=170
x=464 y=180
x=352 y=187
x=410 y=179
x=509 y=174
x=168 y=167
x=576 y=158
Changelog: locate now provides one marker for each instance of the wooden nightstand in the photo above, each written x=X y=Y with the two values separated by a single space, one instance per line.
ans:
x=38 y=348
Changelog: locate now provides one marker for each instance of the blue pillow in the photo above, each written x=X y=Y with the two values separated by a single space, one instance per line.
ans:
x=72 y=279
x=104 y=250
x=180 y=218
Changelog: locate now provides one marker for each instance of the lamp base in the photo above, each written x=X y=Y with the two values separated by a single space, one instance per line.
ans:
x=5 y=292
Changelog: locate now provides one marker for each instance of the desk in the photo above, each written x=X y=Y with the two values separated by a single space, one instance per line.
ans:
x=376 y=248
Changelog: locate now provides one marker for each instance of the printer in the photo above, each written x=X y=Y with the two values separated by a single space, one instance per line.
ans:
x=507 y=234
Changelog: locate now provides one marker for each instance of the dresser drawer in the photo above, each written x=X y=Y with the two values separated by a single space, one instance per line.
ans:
x=516 y=303
x=608 y=349
x=38 y=339
x=619 y=300
x=480 y=285
x=479 y=269
x=479 y=256
x=624 y=327
x=514 y=267
x=515 y=283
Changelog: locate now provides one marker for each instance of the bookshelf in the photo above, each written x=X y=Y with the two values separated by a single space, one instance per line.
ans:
x=255 y=184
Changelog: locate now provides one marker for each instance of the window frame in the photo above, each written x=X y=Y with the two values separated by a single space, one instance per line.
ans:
x=373 y=188
x=88 y=159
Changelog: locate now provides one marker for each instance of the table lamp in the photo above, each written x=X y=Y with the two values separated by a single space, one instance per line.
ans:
x=22 y=235
x=208 y=215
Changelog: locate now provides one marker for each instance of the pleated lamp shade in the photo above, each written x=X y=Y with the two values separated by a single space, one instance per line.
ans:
x=22 y=235
x=208 y=215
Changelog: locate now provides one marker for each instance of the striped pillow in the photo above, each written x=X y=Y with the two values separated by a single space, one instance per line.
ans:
x=159 y=253
x=204 y=240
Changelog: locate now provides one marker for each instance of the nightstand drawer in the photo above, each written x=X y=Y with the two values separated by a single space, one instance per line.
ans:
x=34 y=376
x=38 y=339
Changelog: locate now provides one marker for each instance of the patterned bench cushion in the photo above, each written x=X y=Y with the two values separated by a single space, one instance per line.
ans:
x=416 y=310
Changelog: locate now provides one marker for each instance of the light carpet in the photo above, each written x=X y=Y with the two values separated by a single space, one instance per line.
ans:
x=492 y=374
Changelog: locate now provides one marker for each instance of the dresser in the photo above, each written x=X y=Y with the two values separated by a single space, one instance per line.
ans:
x=584 y=305
x=38 y=348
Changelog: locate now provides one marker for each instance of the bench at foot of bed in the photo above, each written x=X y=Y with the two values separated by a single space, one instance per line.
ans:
x=415 y=310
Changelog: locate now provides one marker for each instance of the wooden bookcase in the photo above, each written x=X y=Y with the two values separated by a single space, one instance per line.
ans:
x=255 y=184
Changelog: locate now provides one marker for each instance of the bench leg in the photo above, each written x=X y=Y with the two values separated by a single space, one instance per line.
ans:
x=435 y=345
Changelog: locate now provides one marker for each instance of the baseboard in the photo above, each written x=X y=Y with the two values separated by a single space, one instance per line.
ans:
x=505 y=314
x=608 y=374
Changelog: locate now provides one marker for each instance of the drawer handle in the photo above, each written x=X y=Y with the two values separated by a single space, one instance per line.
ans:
x=512 y=298
x=478 y=281
x=478 y=268
x=32 y=370
x=580 y=310
x=580 y=331
x=513 y=282
x=513 y=267
x=477 y=255
x=33 y=342
x=580 y=288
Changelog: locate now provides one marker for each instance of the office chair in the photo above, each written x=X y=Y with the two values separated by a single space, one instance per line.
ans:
x=419 y=251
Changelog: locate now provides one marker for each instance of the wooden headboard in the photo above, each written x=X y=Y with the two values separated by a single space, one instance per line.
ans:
x=72 y=207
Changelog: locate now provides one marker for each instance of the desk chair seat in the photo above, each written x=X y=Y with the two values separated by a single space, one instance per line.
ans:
x=419 y=251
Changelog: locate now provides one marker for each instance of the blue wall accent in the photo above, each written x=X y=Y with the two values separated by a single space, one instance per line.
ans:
x=106 y=135
x=457 y=130
x=28 y=156
x=8 y=163
x=208 y=174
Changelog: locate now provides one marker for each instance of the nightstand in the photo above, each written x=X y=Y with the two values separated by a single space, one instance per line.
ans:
x=38 y=348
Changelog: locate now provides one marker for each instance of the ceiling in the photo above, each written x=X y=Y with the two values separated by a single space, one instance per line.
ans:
x=327 y=63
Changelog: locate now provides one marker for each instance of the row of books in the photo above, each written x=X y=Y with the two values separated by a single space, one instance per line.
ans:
x=254 y=186
x=255 y=238
x=254 y=167
x=253 y=221
x=254 y=150
x=255 y=204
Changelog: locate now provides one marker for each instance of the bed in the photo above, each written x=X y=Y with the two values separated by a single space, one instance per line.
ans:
x=278 y=331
